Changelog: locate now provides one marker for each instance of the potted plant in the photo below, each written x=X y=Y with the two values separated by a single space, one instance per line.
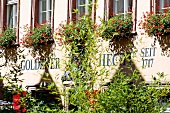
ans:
x=119 y=26
x=156 y=24
x=40 y=34
x=7 y=37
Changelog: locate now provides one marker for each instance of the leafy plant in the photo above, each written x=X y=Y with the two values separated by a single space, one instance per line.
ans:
x=7 y=37
x=130 y=94
x=156 y=24
x=118 y=26
x=40 y=34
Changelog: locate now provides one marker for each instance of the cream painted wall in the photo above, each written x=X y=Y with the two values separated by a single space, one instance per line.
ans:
x=99 y=11
x=25 y=15
x=60 y=15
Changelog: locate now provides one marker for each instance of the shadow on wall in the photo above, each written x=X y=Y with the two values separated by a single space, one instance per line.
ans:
x=10 y=55
x=1 y=88
x=164 y=42
x=128 y=67
x=121 y=45
x=43 y=50
x=46 y=90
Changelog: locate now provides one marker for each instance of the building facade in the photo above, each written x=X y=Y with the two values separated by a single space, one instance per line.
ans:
x=152 y=55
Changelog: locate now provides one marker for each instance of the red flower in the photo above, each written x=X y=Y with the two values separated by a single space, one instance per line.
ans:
x=165 y=11
x=41 y=41
x=24 y=93
x=16 y=99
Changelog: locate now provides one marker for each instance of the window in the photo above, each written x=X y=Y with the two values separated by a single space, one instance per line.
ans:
x=45 y=11
x=122 y=6
x=82 y=6
x=161 y=5
x=12 y=13
x=112 y=7
x=164 y=4
x=85 y=7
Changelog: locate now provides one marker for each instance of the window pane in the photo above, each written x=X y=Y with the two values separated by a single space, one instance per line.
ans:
x=118 y=6
x=15 y=25
x=49 y=4
x=81 y=6
x=43 y=18
x=167 y=3
x=164 y=3
x=44 y=5
x=82 y=2
x=130 y=6
x=49 y=17
x=10 y=15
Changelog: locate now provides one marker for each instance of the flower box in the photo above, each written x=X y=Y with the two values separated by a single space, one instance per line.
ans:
x=119 y=26
x=39 y=35
x=7 y=37
x=156 y=24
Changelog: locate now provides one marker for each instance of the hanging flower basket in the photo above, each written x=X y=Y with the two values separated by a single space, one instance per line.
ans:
x=39 y=35
x=156 y=24
x=7 y=37
x=119 y=26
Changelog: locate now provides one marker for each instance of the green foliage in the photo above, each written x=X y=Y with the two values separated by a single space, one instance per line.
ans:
x=7 y=37
x=119 y=25
x=128 y=94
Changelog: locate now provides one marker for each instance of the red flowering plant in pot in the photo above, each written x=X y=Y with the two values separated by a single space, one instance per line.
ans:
x=156 y=24
x=37 y=37
x=118 y=30
x=7 y=37
x=119 y=26
x=40 y=34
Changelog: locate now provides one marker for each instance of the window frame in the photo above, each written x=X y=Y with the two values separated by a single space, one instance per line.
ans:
x=35 y=17
x=48 y=11
x=109 y=8
x=160 y=6
x=12 y=6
